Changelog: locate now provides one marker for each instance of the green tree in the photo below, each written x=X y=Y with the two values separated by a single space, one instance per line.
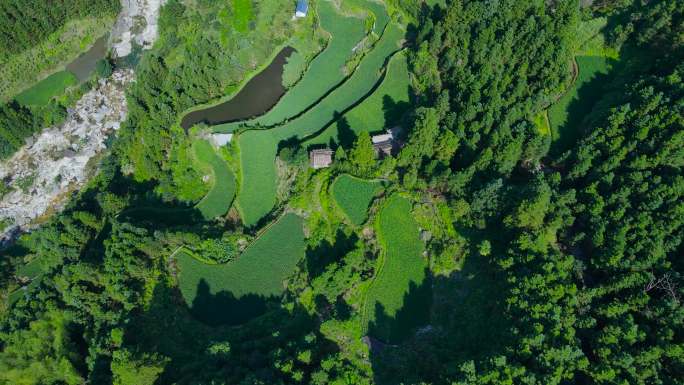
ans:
x=136 y=369
x=362 y=155
x=422 y=138
x=103 y=68
x=43 y=354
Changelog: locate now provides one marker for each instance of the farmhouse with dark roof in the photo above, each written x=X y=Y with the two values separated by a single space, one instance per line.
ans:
x=321 y=158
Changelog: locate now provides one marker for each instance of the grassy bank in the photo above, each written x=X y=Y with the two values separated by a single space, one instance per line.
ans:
x=53 y=85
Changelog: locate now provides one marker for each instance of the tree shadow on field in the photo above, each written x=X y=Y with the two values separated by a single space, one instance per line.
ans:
x=196 y=353
x=145 y=207
x=394 y=111
x=151 y=214
x=414 y=313
x=345 y=135
x=326 y=253
x=466 y=322
x=224 y=308
x=292 y=142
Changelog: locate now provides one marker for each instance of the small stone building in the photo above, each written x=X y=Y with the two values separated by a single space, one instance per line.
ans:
x=321 y=158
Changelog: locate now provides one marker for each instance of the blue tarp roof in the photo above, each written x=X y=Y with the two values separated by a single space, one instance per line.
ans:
x=302 y=6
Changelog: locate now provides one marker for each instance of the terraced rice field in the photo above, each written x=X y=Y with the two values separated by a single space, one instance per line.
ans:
x=399 y=297
x=237 y=290
x=354 y=195
x=53 y=85
x=354 y=89
x=257 y=194
x=378 y=112
x=219 y=198
x=323 y=73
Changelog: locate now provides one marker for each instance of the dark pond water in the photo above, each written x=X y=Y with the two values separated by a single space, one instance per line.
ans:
x=257 y=97
x=84 y=65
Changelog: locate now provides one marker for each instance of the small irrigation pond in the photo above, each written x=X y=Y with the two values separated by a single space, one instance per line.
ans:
x=258 y=96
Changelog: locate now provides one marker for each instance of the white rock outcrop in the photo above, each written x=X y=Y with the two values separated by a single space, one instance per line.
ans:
x=137 y=23
x=42 y=173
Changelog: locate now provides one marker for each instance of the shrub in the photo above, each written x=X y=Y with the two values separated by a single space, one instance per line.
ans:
x=103 y=68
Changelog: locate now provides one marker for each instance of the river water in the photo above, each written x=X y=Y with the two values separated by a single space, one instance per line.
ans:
x=258 y=96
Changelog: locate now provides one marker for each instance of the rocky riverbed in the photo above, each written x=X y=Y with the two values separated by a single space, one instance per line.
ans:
x=39 y=178
x=41 y=175
x=137 y=23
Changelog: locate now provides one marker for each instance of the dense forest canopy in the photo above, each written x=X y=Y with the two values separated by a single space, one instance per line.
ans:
x=533 y=267
x=25 y=23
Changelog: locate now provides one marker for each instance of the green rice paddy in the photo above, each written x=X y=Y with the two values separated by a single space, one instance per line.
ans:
x=53 y=85
x=399 y=297
x=256 y=275
x=378 y=112
x=354 y=195
x=257 y=194
x=219 y=198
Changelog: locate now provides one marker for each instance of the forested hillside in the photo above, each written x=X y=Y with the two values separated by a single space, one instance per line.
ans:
x=586 y=247
x=470 y=253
